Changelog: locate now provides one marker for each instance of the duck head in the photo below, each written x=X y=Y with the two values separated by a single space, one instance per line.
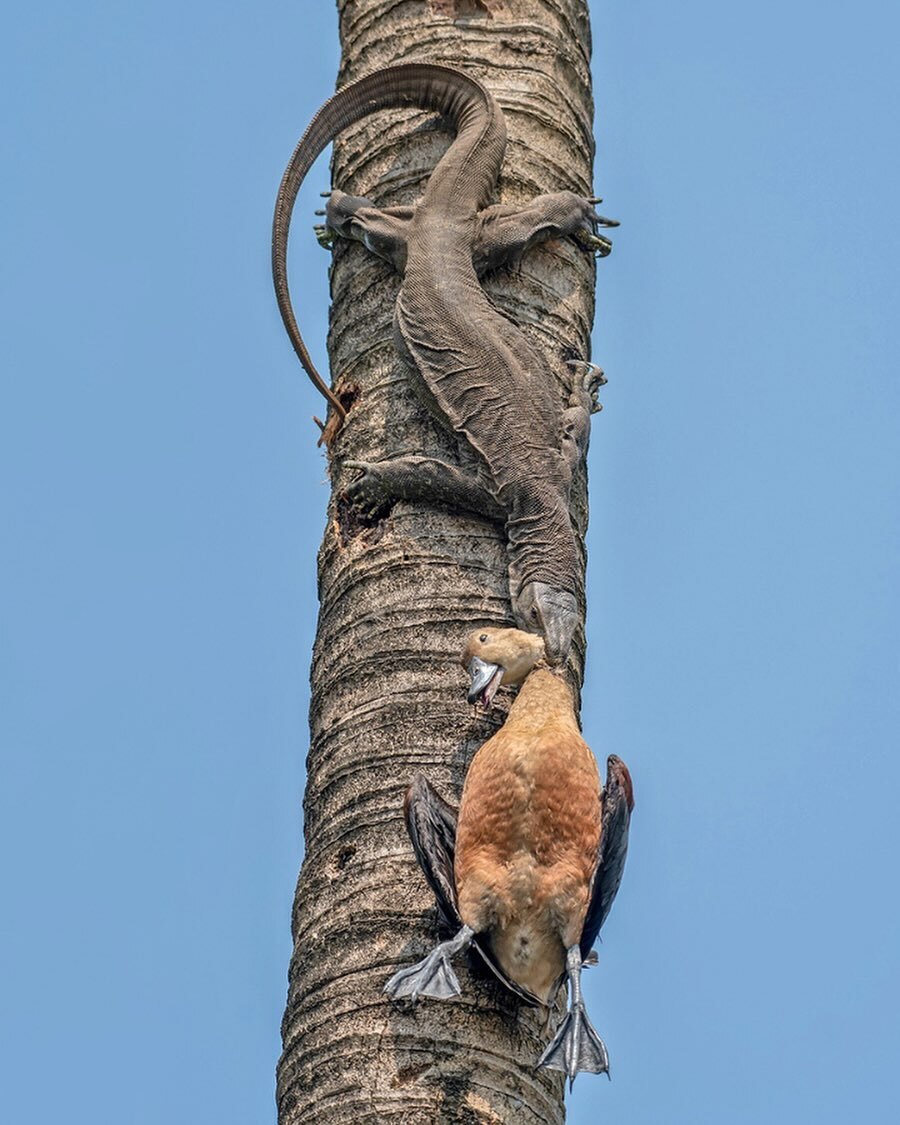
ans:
x=499 y=656
x=554 y=613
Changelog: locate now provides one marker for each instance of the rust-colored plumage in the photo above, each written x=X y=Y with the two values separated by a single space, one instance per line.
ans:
x=534 y=863
x=529 y=831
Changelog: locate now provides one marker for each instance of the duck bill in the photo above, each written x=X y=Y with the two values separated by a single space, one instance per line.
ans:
x=485 y=679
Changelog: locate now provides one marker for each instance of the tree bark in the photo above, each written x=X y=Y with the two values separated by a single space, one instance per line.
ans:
x=399 y=595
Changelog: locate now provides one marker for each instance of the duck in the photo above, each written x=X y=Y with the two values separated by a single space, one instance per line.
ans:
x=527 y=870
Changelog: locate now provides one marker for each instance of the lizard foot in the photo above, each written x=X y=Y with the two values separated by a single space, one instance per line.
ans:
x=591 y=382
x=592 y=243
x=370 y=493
x=324 y=236
x=587 y=236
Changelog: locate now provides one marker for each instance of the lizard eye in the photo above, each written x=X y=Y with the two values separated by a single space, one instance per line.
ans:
x=534 y=613
x=483 y=637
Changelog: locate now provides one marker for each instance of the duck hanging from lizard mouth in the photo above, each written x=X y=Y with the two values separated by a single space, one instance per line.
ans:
x=528 y=869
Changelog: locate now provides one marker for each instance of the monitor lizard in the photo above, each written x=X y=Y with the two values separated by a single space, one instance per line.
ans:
x=479 y=372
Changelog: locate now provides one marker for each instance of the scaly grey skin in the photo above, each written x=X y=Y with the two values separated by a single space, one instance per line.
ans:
x=479 y=373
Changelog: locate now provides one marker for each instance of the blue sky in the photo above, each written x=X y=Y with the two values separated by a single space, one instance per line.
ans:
x=163 y=499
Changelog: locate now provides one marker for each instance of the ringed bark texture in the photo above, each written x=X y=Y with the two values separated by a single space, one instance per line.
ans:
x=399 y=596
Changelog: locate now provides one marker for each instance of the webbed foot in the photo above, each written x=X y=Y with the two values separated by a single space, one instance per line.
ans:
x=576 y=1047
x=433 y=976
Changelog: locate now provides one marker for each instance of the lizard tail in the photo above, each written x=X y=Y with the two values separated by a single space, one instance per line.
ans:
x=469 y=106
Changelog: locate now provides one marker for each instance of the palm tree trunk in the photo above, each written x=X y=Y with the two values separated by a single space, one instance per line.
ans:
x=399 y=595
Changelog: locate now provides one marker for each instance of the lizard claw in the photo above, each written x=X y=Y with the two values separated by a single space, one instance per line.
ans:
x=593 y=243
x=594 y=372
x=591 y=382
x=368 y=493
x=602 y=221
x=324 y=236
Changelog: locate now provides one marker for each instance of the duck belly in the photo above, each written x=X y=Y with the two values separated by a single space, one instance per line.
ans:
x=525 y=936
x=526 y=848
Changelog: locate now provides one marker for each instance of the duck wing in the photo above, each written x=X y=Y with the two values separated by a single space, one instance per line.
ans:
x=618 y=801
x=431 y=824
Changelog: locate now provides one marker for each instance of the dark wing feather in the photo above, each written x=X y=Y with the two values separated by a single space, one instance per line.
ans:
x=618 y=801
x=516 y=989
x=431 y=823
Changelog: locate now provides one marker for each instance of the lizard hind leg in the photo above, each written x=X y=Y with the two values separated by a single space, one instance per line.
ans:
x=583 y=402
x=382 y=230
x=505 y=232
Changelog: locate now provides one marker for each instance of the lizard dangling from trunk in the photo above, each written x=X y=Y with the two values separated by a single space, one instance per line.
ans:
x=479 y=373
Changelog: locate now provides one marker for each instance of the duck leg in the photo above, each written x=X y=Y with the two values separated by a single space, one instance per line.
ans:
x=576 y=1046
x=433 y=976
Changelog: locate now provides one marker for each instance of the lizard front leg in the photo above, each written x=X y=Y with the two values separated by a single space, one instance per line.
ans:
x=505 y=232
x=382 y=230
x=576 y=419
x=381 y=483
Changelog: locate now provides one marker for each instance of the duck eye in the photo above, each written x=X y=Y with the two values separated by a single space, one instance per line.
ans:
x=483 y=637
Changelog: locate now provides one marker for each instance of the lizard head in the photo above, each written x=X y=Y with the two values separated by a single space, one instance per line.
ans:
x=554 y=613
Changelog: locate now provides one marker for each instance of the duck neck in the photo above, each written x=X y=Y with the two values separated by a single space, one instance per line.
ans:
x=543 y=695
